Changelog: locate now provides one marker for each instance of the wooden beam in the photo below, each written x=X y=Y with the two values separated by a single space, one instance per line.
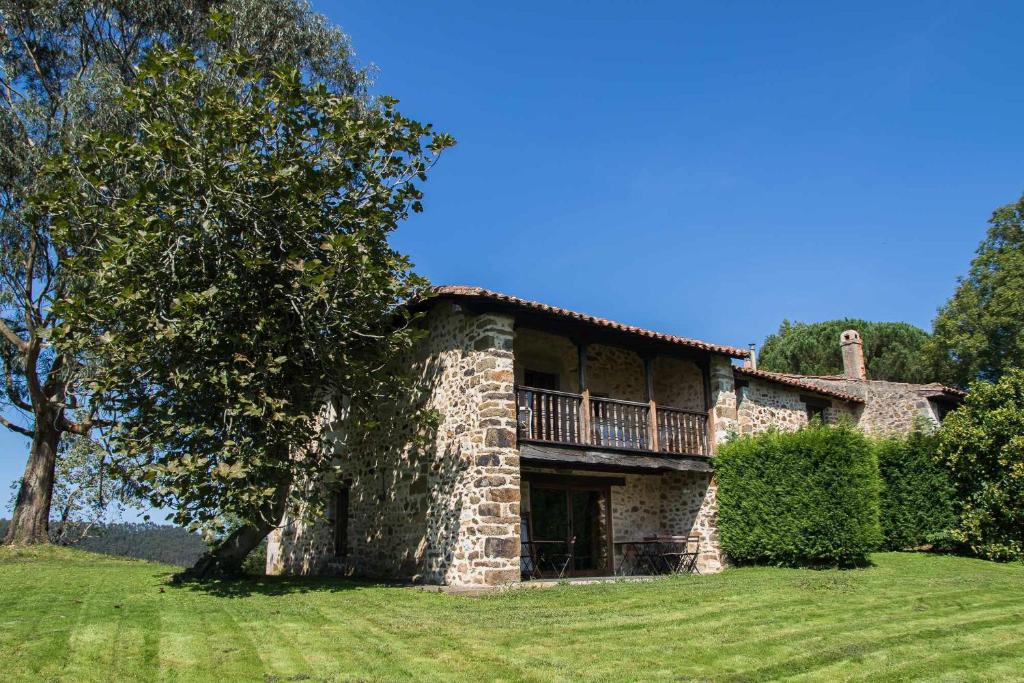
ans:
x=652 y=410
x=652 y=427
x=648 y=378
x=709 y=430
x=584 y=421
x=572 y=480
x=581 y=364
x=587 y=459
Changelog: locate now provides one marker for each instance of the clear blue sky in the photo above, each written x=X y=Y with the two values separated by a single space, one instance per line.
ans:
x=705 y=169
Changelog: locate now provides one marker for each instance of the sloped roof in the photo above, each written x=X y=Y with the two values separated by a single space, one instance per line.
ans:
x=931 y=389
x=479 y=293
x=935 y=387
x=791 y=381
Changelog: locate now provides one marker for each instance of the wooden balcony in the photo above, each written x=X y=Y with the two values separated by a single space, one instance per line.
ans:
x=560 y=417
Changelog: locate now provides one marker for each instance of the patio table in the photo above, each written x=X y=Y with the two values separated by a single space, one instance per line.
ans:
x=641 y=557
x=667 y=555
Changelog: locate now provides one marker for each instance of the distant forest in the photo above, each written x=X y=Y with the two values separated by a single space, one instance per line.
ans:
x=156 y=542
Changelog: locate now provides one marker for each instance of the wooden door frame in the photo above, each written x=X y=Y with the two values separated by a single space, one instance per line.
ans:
x=569 y=483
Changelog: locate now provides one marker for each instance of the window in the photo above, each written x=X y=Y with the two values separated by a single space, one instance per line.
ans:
x=816 y=408
x=540 y=380
x=341 y=522
x=941 y=409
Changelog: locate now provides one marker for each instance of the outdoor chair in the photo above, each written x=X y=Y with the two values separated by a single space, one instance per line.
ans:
x=529 y=567
x=679 y=554
x=559 y=563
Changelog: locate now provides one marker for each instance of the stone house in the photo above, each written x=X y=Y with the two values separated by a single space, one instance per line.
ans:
x=554 y=424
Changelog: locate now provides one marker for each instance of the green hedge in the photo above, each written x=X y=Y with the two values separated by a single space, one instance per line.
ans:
x=808 y=497
x=917 y=495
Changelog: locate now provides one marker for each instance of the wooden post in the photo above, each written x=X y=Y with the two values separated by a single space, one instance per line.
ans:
x=652 y=426
x=648 y=378
x=585 y=416
x=581 y=364
x=710 y=445
x=652 y=411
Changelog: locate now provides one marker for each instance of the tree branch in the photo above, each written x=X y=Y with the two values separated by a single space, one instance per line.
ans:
x=16 y=428
x=12 y=392
x=9 y=334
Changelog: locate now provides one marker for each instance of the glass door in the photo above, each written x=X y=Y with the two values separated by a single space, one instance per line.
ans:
x=561 y=512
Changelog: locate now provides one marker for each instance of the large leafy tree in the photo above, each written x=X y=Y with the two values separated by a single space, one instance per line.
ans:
x=982 y=445
x=63 y=64
x=236 y=275
x=892 y=351
x=979 y=333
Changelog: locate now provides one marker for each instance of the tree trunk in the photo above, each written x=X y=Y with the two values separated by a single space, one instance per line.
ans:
x=30 y=523
x=225 y=561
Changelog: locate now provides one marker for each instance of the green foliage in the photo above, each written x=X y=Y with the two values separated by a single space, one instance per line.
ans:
x=892 y=351
x=256 y=561
x=154 y=542
x=803 y=497
x=916 y=497
x=232 y=273
x=982 y=445
x=979 y=333
x=85 y=492
x=63 y=66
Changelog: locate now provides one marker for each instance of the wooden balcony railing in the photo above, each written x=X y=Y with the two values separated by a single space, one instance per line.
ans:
x=562 y=417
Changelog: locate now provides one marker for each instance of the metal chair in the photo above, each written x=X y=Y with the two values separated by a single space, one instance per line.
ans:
x=529 y=567
x=560 y=563
x=680 y=553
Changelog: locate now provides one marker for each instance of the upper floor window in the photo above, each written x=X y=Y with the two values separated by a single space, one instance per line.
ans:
x=540 y=380
x=816 y=408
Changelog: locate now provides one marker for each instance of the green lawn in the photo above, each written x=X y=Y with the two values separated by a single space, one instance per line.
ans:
x=76 y=616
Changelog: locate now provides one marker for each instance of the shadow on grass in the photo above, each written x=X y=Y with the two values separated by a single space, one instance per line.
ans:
x=275 y=585
x=817 y=565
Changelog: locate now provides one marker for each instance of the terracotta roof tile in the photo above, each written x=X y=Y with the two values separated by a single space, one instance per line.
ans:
x=931 y=386
x=464 y=291
x=791 y=381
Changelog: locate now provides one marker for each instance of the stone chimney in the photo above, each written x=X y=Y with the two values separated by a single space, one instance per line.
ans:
x=853 y=355
x=751 y=360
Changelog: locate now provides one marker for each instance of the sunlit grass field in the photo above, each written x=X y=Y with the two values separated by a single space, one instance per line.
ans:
x=70 y=615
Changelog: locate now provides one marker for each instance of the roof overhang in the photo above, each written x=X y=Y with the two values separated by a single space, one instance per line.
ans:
x=790 y=381
x=586 y=327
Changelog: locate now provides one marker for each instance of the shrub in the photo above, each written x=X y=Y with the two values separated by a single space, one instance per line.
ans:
x=981 y=443
x=808 y=497
x=916 y=505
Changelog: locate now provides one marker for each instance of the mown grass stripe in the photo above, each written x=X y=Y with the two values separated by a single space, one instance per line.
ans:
x=910 y=616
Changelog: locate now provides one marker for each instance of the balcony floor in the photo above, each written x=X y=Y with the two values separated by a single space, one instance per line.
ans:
x=590 y=457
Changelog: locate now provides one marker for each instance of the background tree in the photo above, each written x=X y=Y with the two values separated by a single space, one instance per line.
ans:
x=982 y=445
x=62 y=66
x=87 y=496
x=979 y=333
x=238 y=275
x=892 y=351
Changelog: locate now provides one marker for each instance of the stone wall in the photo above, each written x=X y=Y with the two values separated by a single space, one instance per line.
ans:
x=893 y=407
x=724 y=420
x=441 y=506
x=670 y=504
x=889 y=407
x=763 y=405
